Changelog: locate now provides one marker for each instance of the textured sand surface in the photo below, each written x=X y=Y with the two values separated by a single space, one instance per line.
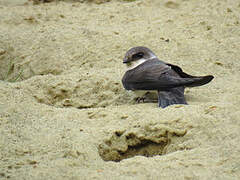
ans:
x=65 y=115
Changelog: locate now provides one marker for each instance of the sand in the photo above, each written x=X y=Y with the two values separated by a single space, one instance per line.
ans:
x=65 y=115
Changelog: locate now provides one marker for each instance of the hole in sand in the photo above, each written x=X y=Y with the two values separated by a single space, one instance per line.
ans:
x=123 y=145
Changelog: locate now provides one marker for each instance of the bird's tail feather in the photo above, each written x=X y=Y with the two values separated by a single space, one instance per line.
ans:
x=170 y=97
x=199 y=81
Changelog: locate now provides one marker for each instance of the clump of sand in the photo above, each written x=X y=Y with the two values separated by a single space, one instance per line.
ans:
x=65 y=115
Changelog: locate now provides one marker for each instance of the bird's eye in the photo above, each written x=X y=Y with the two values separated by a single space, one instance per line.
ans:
x=138 y=56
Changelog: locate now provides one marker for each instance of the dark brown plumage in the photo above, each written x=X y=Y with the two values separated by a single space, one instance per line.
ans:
x=169 y=80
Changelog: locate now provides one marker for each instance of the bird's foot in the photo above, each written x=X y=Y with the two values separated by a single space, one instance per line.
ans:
x=146 y=98
x=140 y=99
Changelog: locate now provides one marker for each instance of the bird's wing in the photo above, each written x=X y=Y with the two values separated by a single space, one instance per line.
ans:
x=172 y=96
x=199 y=80
x=153 y=75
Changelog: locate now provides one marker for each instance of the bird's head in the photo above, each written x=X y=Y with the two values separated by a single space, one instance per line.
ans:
x=137 y=55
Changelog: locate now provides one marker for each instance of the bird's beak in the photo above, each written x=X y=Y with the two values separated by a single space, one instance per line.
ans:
x=126 y=60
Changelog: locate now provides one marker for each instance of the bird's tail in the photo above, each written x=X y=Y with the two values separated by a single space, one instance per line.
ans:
x=199 y=81
x=170 y=97
x=196 y=80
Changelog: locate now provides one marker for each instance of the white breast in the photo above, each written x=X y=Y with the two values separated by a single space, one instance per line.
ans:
x=135 y=63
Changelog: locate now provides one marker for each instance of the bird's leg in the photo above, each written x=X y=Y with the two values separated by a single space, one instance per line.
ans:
x=146 y=98
x=140 y=99
x=150 y=98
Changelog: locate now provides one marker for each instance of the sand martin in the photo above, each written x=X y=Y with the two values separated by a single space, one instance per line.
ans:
x=145 y=72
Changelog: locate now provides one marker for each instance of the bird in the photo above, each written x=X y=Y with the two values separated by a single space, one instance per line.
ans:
x=146 y=73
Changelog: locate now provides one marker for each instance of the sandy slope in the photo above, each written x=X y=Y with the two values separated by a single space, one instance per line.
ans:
x=68 y=116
